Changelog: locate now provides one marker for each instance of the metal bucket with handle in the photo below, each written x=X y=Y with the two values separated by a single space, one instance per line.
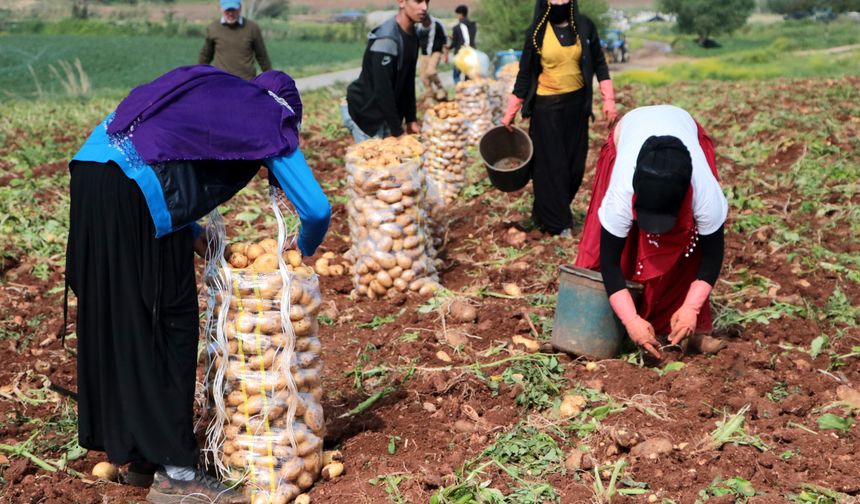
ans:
x=507 y=155
x=585 y=324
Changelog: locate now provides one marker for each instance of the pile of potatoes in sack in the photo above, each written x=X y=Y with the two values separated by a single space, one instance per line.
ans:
x=264 y=383
x=391 y=249
x=443 y=133
x=498 y=99
x=508 y=76
x=473 y=99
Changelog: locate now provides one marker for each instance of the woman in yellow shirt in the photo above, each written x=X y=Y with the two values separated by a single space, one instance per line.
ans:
x=561 y=56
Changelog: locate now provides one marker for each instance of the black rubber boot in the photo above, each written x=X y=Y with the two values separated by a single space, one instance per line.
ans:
x=140 y=474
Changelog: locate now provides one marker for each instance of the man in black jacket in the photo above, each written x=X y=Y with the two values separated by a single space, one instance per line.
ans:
x=383 y=96
x=464 y=34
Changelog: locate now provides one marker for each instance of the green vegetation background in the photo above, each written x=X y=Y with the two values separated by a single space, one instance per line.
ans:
x=122 y=62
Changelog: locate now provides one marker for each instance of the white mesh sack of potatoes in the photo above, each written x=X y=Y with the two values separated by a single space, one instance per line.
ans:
x=497 y=96
x=443 y=133
x=508 y=76
x=473 y=99
x=264 y=375
x=391 y=249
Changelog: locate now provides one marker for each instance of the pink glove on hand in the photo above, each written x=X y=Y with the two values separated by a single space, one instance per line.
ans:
x=607 y=94
x=514 y=106
x=683 y=321
x=639 y=330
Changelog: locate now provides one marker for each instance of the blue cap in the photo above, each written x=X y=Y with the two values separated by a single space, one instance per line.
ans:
x=230 y=4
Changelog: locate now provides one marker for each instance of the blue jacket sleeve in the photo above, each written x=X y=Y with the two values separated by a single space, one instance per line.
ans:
x=196 y=229
x=295 y=178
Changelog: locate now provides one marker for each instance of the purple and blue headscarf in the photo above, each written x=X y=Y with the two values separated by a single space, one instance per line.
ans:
x=200 y=112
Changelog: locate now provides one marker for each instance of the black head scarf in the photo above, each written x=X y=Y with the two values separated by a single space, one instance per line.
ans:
x=541 y=18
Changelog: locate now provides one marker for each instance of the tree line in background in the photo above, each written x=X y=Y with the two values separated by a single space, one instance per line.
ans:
x=706 y=18
x=503 y=22
x=807 y=6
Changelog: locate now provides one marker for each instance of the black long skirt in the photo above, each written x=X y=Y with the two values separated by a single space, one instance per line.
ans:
x=559 y=131
x=137 y=323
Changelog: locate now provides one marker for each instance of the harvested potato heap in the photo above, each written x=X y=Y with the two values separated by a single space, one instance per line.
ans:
x=265 y=381
x=390 y=247
x=473 y=100
x=444 y=135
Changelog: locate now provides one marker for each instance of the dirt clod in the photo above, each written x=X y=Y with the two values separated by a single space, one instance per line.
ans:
x=849 y=396
x=624 y=438
x=16 y=471
x=573 y=461
x=652 y=448
x=515 y=237
x=465 y=426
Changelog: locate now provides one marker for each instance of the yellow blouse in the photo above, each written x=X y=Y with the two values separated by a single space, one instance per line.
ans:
x=561 y=71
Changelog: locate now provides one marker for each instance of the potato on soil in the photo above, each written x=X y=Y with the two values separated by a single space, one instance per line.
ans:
x=512 y=289
x=105 y=471
x=330 y=456
x=462 y=311
x=530 y=344
x=332 y=471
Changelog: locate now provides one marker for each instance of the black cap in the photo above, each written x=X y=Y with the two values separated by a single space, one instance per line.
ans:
x=660 y=182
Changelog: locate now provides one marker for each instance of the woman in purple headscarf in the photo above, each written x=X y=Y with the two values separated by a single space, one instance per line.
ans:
x=173 y=150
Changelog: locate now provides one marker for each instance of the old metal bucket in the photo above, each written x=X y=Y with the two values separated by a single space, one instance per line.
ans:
x=507 y=156
x=584 y=323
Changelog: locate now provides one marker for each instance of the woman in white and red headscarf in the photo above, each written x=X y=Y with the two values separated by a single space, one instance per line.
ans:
x=656 y=217
x=561 y=57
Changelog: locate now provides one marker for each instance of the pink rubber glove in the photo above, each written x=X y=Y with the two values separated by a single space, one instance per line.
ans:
x=684 y=320
x=639 y=330
x=607 y=93
x=514 y=106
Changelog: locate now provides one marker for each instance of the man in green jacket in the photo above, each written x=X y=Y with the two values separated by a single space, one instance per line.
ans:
x=233 y=42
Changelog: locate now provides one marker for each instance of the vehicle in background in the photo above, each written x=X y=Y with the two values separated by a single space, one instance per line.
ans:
x=824 y=14
x=614 y=44
x=349 y=16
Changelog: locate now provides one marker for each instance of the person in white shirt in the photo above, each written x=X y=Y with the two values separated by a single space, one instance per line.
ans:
x=464 y=34
x=656 y=217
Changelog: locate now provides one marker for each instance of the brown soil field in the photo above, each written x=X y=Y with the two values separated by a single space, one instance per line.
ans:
x=764 y=365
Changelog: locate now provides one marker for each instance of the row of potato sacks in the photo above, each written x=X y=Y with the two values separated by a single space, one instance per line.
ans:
x=482 y=101
x=265 y=386
x=392 y=251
